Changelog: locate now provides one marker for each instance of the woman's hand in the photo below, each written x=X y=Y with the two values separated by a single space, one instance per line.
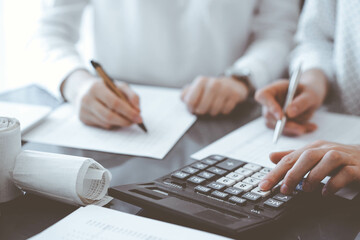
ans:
x=214 y=96
x=341 y=162
x=309 y=96
x=98 y=105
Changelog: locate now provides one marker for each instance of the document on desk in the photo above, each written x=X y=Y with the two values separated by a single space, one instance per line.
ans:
x=28 y=114
x=253 y=142
x=98 y=223
x=165 y=116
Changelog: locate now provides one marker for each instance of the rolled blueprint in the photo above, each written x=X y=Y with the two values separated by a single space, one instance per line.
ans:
x=10 y=147
x=69 y=179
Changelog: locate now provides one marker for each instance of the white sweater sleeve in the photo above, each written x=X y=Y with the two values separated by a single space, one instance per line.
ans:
x=315 y=37
x=273 y=28
x=54 y=44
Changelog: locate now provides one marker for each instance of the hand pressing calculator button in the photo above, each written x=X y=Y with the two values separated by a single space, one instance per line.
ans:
x=215 y=187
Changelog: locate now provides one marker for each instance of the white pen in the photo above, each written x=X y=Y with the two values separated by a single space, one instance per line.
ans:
x=294 y=82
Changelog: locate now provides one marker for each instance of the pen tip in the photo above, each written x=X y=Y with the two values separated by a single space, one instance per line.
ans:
x=94 y=64
x=142 y=126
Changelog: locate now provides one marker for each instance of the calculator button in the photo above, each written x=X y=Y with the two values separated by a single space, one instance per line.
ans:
x=180 y=175
x=237 y=200
x=233 y=191
x=258 y=175
x=202 y=189
x=251 y=181
x=219 y=195
x=260 y=192
x=217 y=171
x=273 y=203
x=252 y=167
x=190 y=170
x=226 y=181
x=251 y=196
x=235 y=176
x=196 y=179
x=282 y=197
x=208 y=161
x=206 y=175
x=199 y=165
x=230 y=164
x=245 y=172
x=265 y=170
x=217 y=157
x=243 y=186
x=216 y=186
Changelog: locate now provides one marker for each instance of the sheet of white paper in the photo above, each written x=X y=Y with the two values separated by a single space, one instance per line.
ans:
x=253 y=142
x=99 y=223
x=27 y=114
x=165 y=117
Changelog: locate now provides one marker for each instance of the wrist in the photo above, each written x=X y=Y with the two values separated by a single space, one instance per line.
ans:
x=75 y=83
x=243 y=76
x=244 y=88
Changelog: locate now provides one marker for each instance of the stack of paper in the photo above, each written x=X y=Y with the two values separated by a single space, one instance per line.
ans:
x=165 y=117
x=97 y=223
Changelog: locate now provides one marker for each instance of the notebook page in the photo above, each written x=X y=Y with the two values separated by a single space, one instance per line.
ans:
x=165 y=117
x=92 y=222
x=253 y=142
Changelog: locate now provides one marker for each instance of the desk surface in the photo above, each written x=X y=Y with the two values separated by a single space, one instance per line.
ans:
x=29 y=214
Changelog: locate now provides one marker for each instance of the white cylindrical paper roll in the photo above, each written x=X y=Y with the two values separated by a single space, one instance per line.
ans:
x=70 y=179
x=10 y=147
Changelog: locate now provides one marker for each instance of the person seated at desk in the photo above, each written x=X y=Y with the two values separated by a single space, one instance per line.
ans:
x=329 y=51
x=168 y=43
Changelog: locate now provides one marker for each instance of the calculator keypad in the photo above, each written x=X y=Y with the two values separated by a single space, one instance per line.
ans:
x=231 y=181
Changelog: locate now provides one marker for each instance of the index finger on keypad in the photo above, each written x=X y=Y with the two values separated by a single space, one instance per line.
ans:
x=278 y=173
x=307 y=160
x=275 y=157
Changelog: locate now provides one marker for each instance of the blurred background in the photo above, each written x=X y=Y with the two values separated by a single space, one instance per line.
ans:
x=18 y=22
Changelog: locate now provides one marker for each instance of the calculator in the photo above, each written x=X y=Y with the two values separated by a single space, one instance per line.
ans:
x=217 y=194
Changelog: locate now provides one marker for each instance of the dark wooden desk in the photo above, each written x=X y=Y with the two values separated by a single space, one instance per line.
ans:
x=29 y=214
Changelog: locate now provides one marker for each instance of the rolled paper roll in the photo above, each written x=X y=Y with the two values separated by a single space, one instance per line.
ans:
x=10 y=147
x=70 y=179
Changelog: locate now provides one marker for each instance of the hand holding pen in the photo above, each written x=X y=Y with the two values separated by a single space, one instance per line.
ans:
x=98 y=105
x=123 y=99
x=309 y=95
